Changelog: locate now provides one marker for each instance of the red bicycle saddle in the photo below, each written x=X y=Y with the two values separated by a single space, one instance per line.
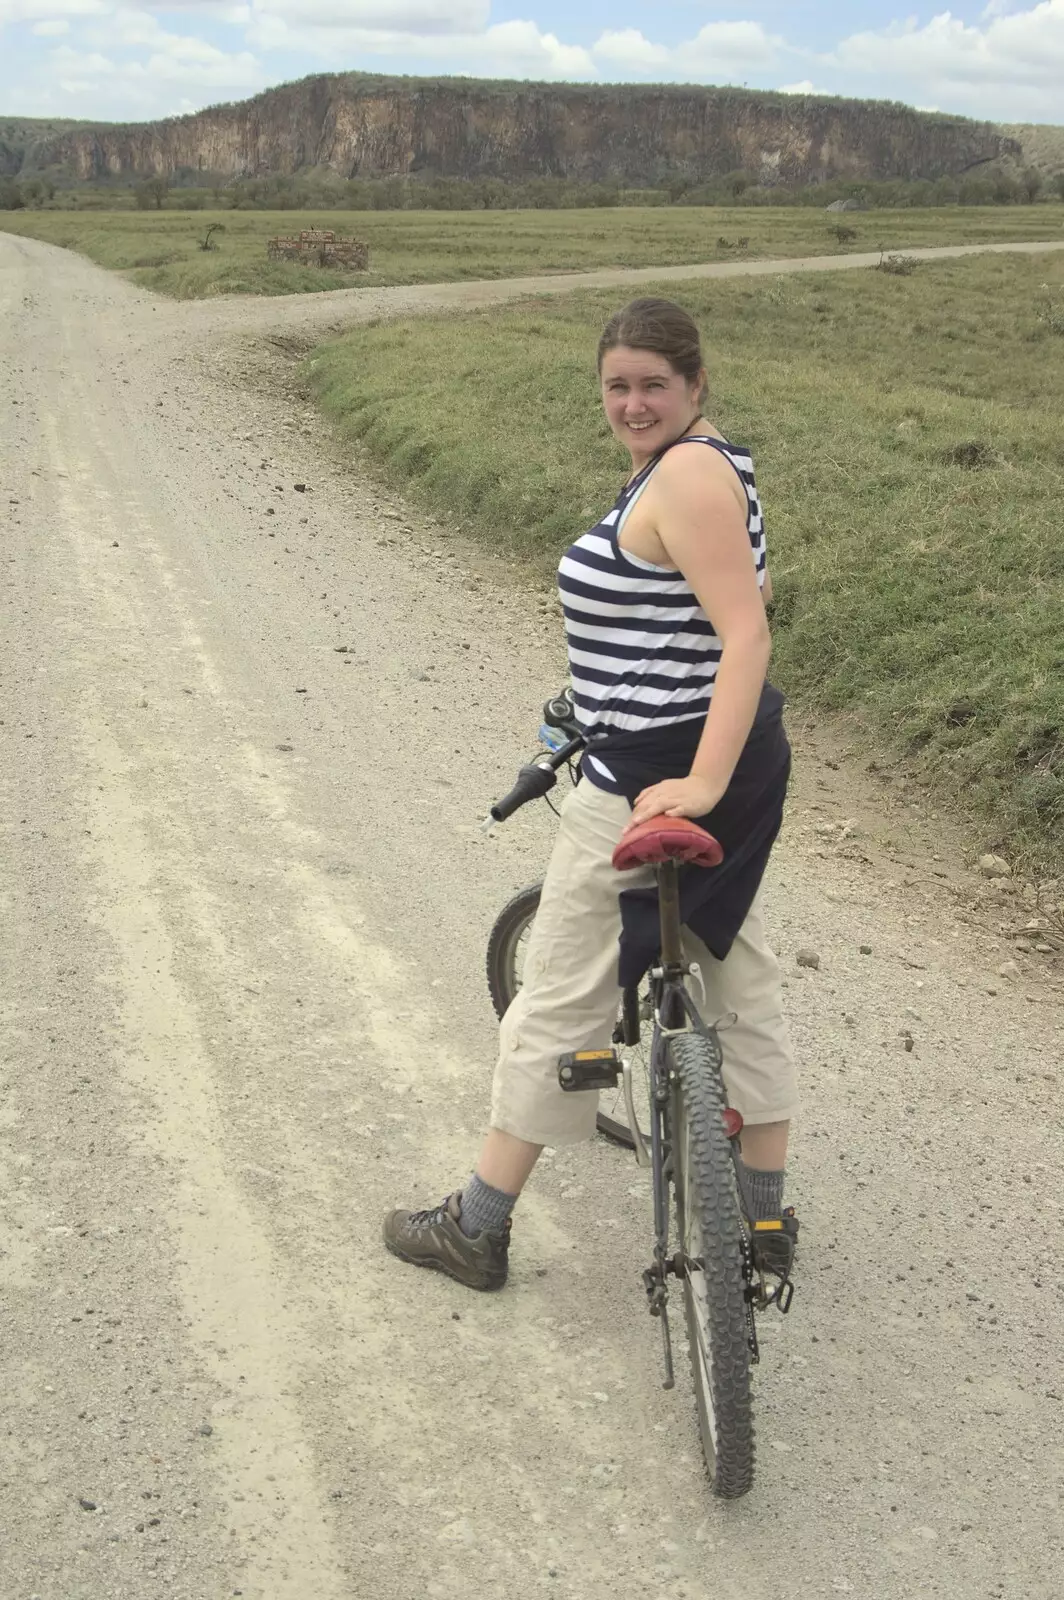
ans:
x=660 y=839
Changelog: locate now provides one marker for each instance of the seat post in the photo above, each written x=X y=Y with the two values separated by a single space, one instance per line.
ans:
x=669 y=907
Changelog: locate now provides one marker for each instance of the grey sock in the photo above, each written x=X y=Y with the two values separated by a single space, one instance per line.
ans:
x=484 y=1209
x=762 y=1193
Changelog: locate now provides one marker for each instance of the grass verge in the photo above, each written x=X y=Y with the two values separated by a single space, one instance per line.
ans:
x=908 y=441
x=161 y=250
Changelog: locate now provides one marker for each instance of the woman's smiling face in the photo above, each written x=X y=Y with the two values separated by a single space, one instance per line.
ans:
x=647 y=403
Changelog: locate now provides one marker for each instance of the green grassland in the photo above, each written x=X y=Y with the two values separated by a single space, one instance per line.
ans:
x=908 y=441
x=160 y=250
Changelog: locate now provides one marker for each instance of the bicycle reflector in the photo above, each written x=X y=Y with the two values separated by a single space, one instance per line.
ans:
x=733 y=1122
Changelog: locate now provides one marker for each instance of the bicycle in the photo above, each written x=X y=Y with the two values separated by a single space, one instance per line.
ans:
x=692 y=1143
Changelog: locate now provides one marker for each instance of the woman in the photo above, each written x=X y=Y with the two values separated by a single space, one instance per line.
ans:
x=681 y=723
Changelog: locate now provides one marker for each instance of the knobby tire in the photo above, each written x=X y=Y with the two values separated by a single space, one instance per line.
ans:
x=710 y=1230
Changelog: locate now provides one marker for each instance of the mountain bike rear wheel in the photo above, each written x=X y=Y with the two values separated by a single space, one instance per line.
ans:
x=711 y=1243
x=506 y=947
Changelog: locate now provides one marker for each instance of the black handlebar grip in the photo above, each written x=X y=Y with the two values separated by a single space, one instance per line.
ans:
x=533 y=781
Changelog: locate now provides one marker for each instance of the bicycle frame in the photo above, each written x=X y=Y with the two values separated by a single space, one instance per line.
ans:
x=674 y=1012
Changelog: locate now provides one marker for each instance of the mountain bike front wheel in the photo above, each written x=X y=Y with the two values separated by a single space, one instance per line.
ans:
x=711 y=1244
x=506 y=953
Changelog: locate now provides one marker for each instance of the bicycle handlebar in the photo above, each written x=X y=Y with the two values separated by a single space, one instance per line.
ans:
x=535 y=779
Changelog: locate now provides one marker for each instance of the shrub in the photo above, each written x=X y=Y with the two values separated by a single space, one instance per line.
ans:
x=1050 y=313
x=901 y=266
x=972 y=454
x=151 y=192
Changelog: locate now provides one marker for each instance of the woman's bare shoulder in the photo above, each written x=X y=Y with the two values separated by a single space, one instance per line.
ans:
x=691 y=468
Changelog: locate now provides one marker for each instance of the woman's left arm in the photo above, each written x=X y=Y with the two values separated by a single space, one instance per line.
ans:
x=701 y=525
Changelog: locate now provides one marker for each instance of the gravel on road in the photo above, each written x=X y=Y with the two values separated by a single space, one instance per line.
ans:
x=249 y=731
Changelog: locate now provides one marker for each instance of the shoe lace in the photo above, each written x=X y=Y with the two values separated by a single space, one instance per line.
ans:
x=431 y=1217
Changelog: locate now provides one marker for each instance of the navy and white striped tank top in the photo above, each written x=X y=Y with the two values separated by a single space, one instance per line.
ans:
x=642 y=652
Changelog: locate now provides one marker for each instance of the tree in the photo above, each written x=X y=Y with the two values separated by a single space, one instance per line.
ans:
x=737 y=183
x=158 y=189
x=1031 y=183
x=1058 y=184
x=945 y=191
x=11 y=197
x=974 y=191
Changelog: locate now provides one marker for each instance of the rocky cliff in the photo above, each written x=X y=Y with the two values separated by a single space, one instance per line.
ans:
x=632 y=135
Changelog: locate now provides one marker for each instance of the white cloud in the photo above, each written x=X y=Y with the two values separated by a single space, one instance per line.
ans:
x=506 y=49
x=392 y=16
x=1009 y=69
x=1024 y=47
x=456 y=33
x=50 y=10
x=520 y=48
x=179 y=60
x=721 y=52
x=1006 y=65
x=627 y=48
x=739 y=48
x=217 y=10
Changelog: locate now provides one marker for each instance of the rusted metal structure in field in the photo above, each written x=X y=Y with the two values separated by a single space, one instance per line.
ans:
x=320 y=247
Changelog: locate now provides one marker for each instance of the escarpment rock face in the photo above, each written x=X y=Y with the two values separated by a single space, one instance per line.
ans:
x=630 y=135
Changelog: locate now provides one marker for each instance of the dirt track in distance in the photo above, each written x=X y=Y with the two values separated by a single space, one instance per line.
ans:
x=245 y=903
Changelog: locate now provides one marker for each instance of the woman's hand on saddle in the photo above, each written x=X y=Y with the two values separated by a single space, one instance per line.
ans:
x=675 y=797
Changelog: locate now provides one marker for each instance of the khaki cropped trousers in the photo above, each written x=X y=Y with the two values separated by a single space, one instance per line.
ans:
x=569 y=994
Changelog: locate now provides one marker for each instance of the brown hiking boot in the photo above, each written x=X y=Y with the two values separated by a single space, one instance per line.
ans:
x=434 y=1239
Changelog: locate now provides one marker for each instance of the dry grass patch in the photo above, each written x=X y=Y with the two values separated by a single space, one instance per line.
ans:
x=161 y=250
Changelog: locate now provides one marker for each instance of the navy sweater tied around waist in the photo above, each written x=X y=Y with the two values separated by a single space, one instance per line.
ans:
x=714 y=901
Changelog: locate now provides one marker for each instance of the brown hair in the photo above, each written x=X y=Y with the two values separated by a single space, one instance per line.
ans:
x=660 y=326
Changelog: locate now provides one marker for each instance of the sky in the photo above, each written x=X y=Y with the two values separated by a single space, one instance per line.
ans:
x=126 y=60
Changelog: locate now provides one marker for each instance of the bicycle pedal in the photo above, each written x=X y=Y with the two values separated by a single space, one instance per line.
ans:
x=588 y=1069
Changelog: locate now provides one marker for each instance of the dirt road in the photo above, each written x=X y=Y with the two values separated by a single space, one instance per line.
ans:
x=245 y=899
